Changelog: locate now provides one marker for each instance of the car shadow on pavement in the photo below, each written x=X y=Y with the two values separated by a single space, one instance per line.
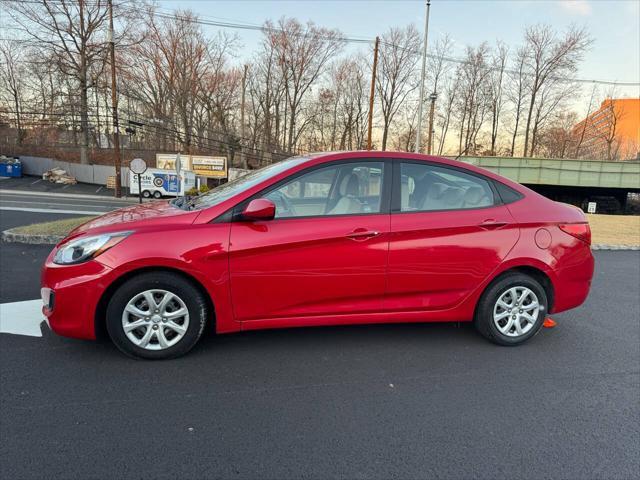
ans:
x=301 y=339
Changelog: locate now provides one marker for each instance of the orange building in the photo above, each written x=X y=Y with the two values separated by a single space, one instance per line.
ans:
x=612 y=132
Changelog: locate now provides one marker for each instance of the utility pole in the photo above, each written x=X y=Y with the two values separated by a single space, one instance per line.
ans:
x=117 y=160
x=422 y=76
x=243 y=156
x=373 y=91
x=432 y=97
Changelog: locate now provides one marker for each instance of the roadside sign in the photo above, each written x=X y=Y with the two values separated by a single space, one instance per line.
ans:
x=591 y=207
x=138 y=166
x=168 y=161
x=178 y=164
x=213 y=167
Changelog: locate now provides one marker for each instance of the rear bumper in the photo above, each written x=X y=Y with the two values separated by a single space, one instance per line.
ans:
x=76 y=290
x=573 y=280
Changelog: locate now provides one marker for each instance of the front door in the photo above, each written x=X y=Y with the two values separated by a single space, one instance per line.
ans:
x=325 y=253
x=450 y=232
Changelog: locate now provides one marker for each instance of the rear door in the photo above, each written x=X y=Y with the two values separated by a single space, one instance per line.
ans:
x=325 y=253
x=449 y=231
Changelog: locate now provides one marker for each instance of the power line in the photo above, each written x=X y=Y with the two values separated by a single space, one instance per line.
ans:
x=164 y=130
x=202 y=20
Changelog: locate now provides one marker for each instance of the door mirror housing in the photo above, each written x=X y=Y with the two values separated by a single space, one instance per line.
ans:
x=259 y=209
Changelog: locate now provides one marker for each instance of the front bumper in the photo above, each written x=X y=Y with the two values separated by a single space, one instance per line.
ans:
x=75 y=291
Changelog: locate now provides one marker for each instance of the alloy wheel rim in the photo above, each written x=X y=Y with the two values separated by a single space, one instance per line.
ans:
x=155 y=319
x=516 y=311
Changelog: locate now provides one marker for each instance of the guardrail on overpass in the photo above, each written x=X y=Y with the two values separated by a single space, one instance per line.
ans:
x=574 y=173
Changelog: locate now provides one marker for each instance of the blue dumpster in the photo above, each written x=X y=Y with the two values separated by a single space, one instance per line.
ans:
x=10 y=168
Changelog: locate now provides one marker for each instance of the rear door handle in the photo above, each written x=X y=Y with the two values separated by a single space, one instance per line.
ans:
x=362 y=234
x=490 y=224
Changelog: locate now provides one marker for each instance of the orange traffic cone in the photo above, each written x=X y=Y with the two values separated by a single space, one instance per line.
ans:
x=549 y=323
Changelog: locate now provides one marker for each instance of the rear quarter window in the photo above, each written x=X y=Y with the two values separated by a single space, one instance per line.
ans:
x=507 y=194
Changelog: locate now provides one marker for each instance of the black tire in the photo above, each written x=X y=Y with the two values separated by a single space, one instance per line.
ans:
x=484 y=312
x=146 y=193
x=157 y=194
x=193 y=299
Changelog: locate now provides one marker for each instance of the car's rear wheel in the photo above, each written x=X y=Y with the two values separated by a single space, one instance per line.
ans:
x=512 y=309
x=156 y=315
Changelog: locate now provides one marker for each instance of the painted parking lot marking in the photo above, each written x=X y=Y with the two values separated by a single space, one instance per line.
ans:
x=22 y=318
x=50 y=210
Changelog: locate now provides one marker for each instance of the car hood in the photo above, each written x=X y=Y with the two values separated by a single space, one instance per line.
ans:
x=146 y=214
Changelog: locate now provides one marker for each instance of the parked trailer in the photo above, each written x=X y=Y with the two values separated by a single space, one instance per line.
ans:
x=159 y=183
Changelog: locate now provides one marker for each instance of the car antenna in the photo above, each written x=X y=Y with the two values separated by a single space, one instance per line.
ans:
x=462 y=153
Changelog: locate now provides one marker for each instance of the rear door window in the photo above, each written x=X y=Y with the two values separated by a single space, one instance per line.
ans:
x=425 y=187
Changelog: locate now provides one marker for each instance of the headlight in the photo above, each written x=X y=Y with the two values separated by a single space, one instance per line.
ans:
x=83 y=249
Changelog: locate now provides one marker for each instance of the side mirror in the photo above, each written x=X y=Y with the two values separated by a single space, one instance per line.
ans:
x=260 y=209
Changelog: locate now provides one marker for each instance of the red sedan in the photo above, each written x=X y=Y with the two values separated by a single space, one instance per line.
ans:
x=326 y=239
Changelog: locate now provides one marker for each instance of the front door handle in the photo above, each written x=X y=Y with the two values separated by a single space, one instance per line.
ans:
x=362 y=234
x=490 y=224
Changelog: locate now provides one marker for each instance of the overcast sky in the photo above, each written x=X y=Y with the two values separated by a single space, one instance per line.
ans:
x=614 y=25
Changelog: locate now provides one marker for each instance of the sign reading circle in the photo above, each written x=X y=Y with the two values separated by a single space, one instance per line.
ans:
x=138 y=166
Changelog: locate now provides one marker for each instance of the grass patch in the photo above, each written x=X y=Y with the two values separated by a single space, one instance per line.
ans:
x=57 y=227
x=615 y=229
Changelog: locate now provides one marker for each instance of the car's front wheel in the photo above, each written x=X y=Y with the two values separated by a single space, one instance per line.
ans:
x=512 y=309
x=156 y=315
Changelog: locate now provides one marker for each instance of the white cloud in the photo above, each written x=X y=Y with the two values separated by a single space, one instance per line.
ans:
x=576 y=7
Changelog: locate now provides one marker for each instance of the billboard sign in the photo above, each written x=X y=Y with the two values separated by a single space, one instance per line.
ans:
x=214 y=167
x=170 y=161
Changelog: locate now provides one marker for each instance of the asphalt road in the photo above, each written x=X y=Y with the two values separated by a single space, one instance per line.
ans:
x=37 y=184
x=400 y=401
x=57 y=204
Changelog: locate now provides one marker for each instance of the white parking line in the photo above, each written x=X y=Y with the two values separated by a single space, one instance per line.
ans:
x=41 y=204
x=22 y=318
x=68 y=195
x=50 y=210
x=7 y=203
x=89 y=200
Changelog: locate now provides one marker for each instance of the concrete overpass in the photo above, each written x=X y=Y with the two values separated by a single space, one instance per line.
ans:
x=573 y=181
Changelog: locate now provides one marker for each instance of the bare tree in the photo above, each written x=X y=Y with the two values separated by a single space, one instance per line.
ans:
x=472 y=103
x=517 y=93
x=549 y=58
x=583 y=128
x=444 y=118
x=12 y=74
x=496 y=90
x=557 y=140
x=552 y=98
x=183 y=87
x=74 y=32
x=607 y=125
x=395 y=79
x=406 y=132
x=352 y=113
x=302 y=54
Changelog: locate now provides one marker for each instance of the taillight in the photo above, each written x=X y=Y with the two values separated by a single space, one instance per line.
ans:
x=578 y=230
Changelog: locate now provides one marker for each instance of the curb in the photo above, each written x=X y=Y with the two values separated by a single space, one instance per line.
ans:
x=12 y=237
x=614 y=247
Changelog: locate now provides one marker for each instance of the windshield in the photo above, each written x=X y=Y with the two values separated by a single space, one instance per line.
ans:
x=241 y=184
